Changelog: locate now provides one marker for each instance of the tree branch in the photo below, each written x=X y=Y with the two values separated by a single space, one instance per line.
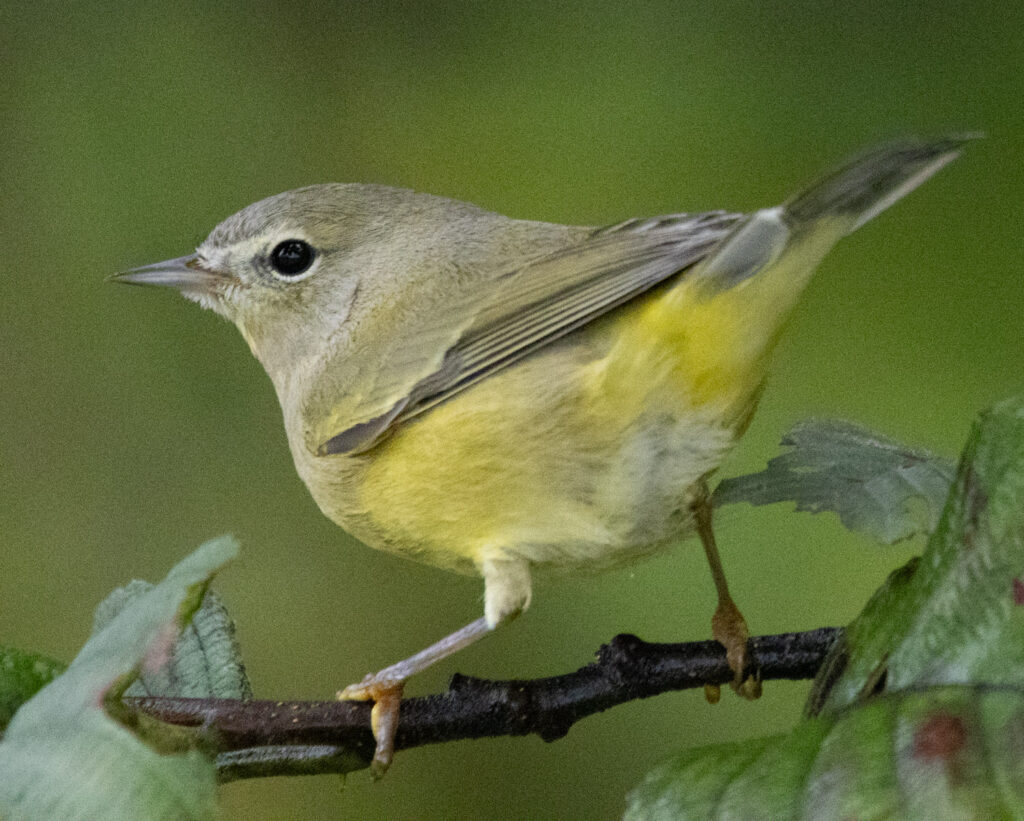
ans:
x=254 y=739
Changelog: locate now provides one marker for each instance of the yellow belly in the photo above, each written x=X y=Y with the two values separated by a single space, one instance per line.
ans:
x=584 y=454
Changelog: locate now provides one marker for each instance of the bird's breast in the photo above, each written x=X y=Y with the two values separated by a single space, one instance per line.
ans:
x=583 y=454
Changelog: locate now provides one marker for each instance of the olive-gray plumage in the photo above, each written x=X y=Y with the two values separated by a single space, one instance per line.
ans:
x=491 y=394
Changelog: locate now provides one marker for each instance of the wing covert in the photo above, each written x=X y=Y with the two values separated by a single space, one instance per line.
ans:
x=544 y=300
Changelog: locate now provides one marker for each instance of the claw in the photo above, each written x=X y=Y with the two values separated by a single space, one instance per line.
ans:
x=729 y=629
x=384 y=688
x=750 y=687
x=386 y=694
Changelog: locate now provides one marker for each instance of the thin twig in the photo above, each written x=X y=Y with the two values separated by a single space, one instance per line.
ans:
x=255 y=739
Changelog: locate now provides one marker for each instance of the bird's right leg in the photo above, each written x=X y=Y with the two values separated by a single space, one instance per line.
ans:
x=507 y=590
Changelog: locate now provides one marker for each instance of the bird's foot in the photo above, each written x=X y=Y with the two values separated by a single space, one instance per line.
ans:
x=386 y=694
x=729 y=629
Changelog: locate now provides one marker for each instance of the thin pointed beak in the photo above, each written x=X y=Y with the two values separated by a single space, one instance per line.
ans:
x=184 y=273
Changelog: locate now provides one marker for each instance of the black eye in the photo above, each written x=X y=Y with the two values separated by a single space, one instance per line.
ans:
x=292 y=257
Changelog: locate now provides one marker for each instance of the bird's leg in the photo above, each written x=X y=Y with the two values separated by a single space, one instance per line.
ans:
x=385 y=687
x=728 y=626
x=506 y=594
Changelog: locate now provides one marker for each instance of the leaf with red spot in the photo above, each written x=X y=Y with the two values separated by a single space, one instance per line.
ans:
x=919 y=710
x=946 y=752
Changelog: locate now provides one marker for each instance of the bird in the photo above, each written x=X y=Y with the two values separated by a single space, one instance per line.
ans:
x=496 y=396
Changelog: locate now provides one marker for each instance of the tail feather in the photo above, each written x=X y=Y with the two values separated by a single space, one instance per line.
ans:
x=868 y=184
x=820 y=215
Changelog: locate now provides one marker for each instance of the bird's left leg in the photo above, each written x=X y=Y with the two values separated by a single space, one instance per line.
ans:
x=506 y=594
x=728 y=626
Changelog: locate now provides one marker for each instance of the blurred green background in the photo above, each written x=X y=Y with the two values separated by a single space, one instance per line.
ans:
x=133 y=426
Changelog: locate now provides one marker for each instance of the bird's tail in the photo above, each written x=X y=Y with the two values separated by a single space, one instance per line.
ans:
x=869 y=183
x=816 y=218
x=722 y=320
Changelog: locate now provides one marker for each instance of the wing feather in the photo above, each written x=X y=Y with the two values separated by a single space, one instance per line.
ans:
x=543 y=301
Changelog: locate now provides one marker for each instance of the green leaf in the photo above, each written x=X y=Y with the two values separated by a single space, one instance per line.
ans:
x=64 y=757
x=946 y=752
x=837 y=661
x=205 y=661
x=919 y=711
x=21 y=676
x=876 y=486
x=958 y=615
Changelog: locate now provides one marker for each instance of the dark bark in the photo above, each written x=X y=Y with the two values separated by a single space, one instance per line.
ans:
x=261 y=738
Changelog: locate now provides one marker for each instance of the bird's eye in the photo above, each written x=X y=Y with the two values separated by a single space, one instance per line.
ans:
x=292 y=257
